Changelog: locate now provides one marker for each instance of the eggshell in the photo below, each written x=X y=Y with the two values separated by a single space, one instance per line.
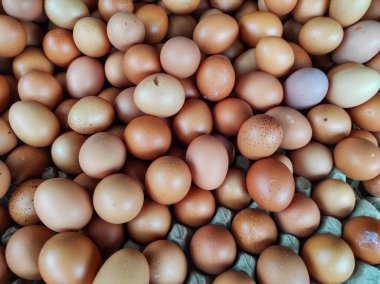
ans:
x=347 y=13
x=8 y=138
x=367 y=115
x=281 y=264
x=27 y=241
x=308 y=9
x=361 y=233
x=373 y=11
x=155 y=20
x=373 y=186
x=292 y=30
x=12 y=36
x=208 y=161
x=65 y=14
x=328 y=258
x=233 y=276
x=167 y=262
x=270 y=184
x=107 y=8
x=127 y=266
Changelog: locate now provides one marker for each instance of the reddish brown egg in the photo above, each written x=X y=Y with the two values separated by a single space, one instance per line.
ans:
x=125 y=106
x=107 y=8
x=191 y=90
x=301 y=57
x=213 y=249
x=233 y=276
x=12 y=36
x=113 y=69
x=366 y=115
x=8 y=138
x=360 y=133
x=5 y=272
x=155 y=20
x=31 y=59
x=230 y=148
x=5 y=93
x=181 y=25
x=34 y=34
x=109 y=94
x=62 y=113
x=86 y=182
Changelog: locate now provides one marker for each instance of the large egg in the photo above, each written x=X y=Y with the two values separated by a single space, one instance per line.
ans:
x=12 y=36
x=155 y=20
x=308 y=9
x=23 y=10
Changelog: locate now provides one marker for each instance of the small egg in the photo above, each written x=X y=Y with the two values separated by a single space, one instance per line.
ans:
x=62 y=113
x=360 y=133
x=8 y=138
x=234 y=50
x=347 y=15
x=155 y=20
x=181 y=25
x=113 y=69
x=65 y=14
x=5 y=179
x=305 y=10
x=23 y=10
x=31 y=59
x=182 y=6
x=366 y=115
x=233 y=276
x=282 y=8
x=12 y=36
x=107 y=8
x=245 y=63
x=125 y=106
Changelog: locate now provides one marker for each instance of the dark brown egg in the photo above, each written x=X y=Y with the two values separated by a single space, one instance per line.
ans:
x=12 y=36
x=155 y=20
x=107 y=8
x=113 y=69
x=5 y=272
x=181 y=25
x=8 y=138
x=62 y=113
x=34 y=34
x=5 y=93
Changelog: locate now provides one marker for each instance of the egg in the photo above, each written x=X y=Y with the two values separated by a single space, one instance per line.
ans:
x=23 y=10
x=347 y=15
x=362 y=235
x=86 y=182
x=65 y=14
x=230 y=148
x=226 y=6
x=301 y=58
x=31 y=59
x=245 y=63
x=282 y=8
x=147 y=137
x=126 y=265
x=296 y=128
x=281 y=264
x=208 y=161
x=155 y=20
x=62 y=113
x=307 y=9
x=234 y=50
x=5 y=273
x=292 y=30
x=373 y=11
x=107 y=8
x=125 y=106
x=270 y=184
x=212 y=249
x=283 y=159
x=13 y=37
x=259 y=136
x=102 y=154
x=366 y=115
x=357 y=158
x=196 y=208
x=118 y=198
x=360 y=133
x=257 y=25
x=27 y=241
x=233 y=276
x=8 y=138
x=374 y=63
x=209 y=12
x=167 y=262
x=251 y=87
x=313 y=161
x=330 y=123
x=5 y=179
x=328 y=258
x=5 y=93
x=215 y=33
x=181 y=25
x=182 y=6
x=76 y=256
x=113 y=69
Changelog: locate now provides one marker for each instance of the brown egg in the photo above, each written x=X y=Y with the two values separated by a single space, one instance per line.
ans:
x=5 y=219
x=23 y=10
x=245 y=63
x=373 y=186
x=230 y=148
x=180 y=57
x=259 y=136
x=155 y=20
x=40 y=87
x=357 y=158
x=102 y=154
x=215 y=33
x=229 y=114
x=257 y=25
x=127 y=266
x=280 y=264
x=215 y=77
x=109 y=94
x=124 y=30
x=305 y=10
x=301 y=58
x=62 y=113
x=330 y=123
x=207 y=158
x=182 y=6
x=5 y=273
x=181 y=25
x=62 y=205
x=125 y=107
x=168 y=180
x=226 y=6
x=33 y=123
x=21 y=203
x=90 y=36
x=328 y=258
x=362 y=233
x=270 y=184
x=107 y=8
x=31 y=59
x=261 y=90
x=360 y=133
x=107 y=237
x=27 y=241
x=86 y=182
x=160 y=95
x=76 y=256
x=5 y=179
x=147 y=137
x=374 y=63
x=283 y=159
x=282 y=8
x=233 y=276
x=196 y=208
x=314 y=161
x=113 y=68
x=8 y=138
x=59 y=47
x=320 y=35
x=234 y=50
x=334 y=198
x=212 y=249
x=26 y=162
x=118 y=198
x=151 y=224
x=210 y=12
x=296 y=128
x=12 y=36
x=5 y=93
x=366 y=115
x=85 y=77
x=274 y=56
x=34 y=34
x=193 y=120
x=65 y=14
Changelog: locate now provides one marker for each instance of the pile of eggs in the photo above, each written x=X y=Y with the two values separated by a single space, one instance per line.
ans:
x=190 y=141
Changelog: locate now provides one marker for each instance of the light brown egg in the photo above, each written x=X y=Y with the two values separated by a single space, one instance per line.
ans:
x=366 y=115
x=168 y=180
x=212 y=249
x=347 y=15
x=245 y=63
x=233 y=276
x=33 y=123
x=226 y=6
x=23 y=10
x=207 y=158
x=328 y=258
x=125 y=107
x=282 y=8
x=196 y=208
x=5 y=273
x=107 y=8
x=76 y=256
x=8 y=138
x=307 y=9
x=330 y=123
x=230 y=148
x=283 y=159
x=118 y=198
x=182 y=6
x=65 y=14
x=215 y=33
x=27 y=241
x=215 y=77
x=124 y=262
x=102 y=154
x=334 y=198
x=314 y=161
x=59 y=47
x=109 y=94
x=259 y=136
x=62 y=113
x=40 y=87
x=86 y=182
x=12 y=36
x=320 y=35
x=245 y=8
x=85 y=77
x=155 y=20
x=209 y=12
x=34 y=34
x=281 y=264
x=26 y=162
x=181 y=25
x=5 y=179
x=301 y=57
x=5 y=93
x=360 y=133
x=113 y=68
